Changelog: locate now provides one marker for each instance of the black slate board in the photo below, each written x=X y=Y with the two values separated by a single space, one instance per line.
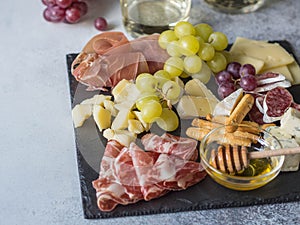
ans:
x=205 y=195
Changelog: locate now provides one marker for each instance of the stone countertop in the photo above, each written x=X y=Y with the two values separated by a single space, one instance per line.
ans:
x=38 y=170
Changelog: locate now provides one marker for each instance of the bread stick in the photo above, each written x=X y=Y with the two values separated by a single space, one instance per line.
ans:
x=239 y=113
x=197 y=132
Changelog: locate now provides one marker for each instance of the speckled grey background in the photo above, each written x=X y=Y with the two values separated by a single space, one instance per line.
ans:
x=38 y=171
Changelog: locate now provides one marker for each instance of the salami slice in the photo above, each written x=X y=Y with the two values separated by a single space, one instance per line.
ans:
x=277 y=100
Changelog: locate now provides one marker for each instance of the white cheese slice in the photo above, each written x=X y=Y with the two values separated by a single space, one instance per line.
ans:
x=195 y=106
x=226 y=106
x=272 y=54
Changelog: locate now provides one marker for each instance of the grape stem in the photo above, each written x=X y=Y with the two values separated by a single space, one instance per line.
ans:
x=169 y=104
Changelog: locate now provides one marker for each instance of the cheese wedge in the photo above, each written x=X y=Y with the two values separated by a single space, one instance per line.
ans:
x=272 y=54
x=195 y=87
x=226 y=106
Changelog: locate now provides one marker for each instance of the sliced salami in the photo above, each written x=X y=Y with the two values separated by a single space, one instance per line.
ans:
x=269 y=77
x=277 y=101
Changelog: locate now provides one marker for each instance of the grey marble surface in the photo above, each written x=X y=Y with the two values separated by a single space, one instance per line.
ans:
x=38 y=170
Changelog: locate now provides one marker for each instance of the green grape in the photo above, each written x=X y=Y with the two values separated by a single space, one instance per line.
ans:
x=184 y=28
x=184 y=75
x=145 y=82
x=218 y=40
x=162 y=77
x=204 y=74
x=174 y=66
x=151 y=111
x=203 y=30
x=206 y=52
x=168 y=120
x=189 y=45
x=200 y=40
x=218 y=63
x=145 y=98
x=173 y=49
x=227 y=55
x=192 y=64
x=166 y=37
x=171 y=90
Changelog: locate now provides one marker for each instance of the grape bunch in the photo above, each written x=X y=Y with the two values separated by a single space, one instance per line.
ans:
x=234 y=76
x=68 y=11
x=194 y=50
x=158 y=93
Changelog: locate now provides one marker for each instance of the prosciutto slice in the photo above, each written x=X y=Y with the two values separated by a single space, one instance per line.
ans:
x=130 y=174
x=170 y=144
x=110 y=57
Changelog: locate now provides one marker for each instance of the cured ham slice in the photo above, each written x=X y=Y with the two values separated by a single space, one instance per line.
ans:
x=109 y=57
x=130 y=174
x=170 y=144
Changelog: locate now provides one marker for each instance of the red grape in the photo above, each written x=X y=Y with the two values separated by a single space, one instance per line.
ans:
x=54 y=14
x=100 y=23
x=223 y=77
x=82 y=6
x=48 y=2
x=47 y=15
x=247 y=69
x=73 y=15
x=226 y=89
x=248 y=82
x=234 y=69
x=63 y=3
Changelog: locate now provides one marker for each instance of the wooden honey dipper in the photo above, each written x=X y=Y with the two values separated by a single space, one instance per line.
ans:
x=235 y=158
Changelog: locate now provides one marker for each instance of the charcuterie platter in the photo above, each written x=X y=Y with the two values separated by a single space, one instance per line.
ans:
x=204 y=194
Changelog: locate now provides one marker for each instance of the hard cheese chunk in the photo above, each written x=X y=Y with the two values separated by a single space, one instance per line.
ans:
x=272 y=54
x=195 y=106
x=80 y=113
x=102 y=117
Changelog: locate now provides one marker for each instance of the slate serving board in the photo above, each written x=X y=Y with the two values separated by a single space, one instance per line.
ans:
x=207 y=194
